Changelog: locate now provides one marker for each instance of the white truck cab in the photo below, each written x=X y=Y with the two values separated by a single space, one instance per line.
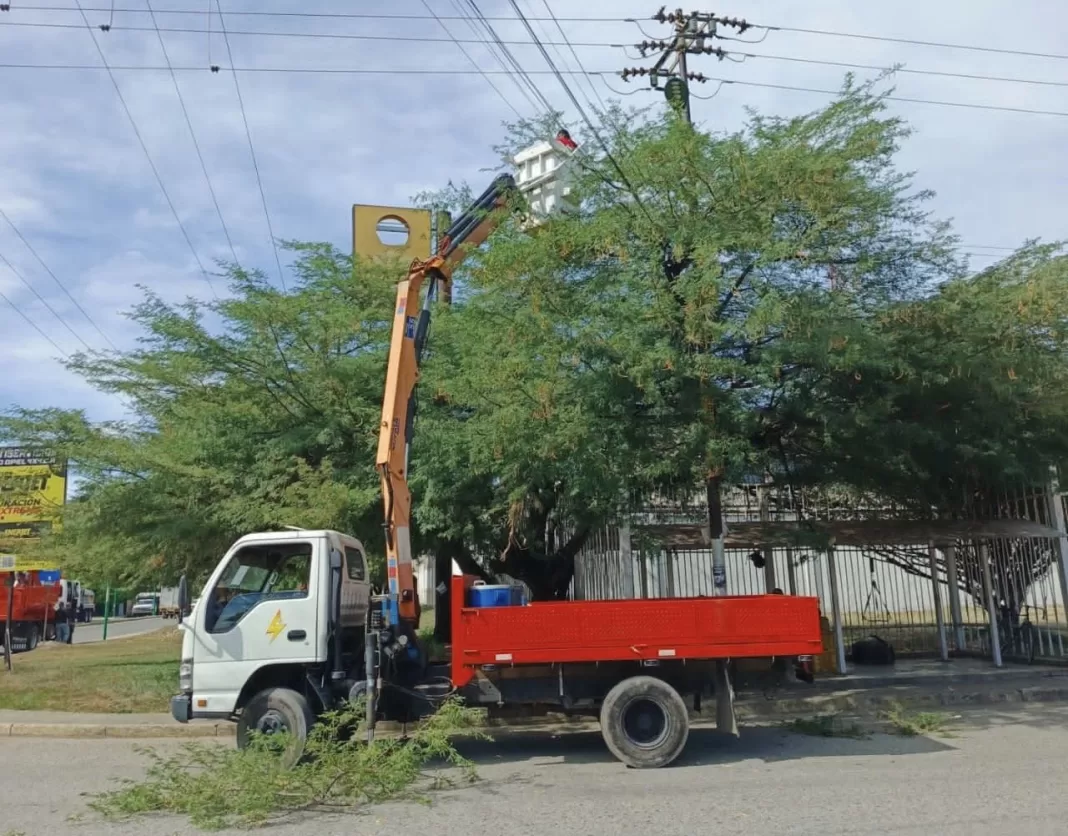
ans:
x=267 y=621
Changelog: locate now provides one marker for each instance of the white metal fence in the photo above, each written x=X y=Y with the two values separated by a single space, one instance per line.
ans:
x=923 y=600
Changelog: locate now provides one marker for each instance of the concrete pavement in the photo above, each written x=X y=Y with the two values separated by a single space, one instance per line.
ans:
x=1001 y=772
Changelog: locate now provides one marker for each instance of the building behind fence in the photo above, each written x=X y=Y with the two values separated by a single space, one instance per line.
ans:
x=888 y=574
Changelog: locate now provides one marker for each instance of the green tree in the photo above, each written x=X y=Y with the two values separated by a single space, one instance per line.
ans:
x=267 y=418
x=774 y=299
x=935 y=401
x=644 y=341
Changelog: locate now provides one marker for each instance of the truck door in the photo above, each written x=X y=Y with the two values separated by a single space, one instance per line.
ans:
x=261 y=609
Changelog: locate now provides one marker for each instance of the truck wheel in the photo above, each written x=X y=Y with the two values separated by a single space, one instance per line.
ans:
x=33 y=636
x=276 y=710
x=644 y=722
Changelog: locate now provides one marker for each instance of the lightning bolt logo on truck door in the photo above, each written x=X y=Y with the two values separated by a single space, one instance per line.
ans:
x=276 y=626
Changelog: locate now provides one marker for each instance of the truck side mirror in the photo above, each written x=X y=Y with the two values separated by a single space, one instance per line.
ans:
x=183 y=598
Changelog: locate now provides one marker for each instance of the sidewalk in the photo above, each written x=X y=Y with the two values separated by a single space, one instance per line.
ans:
x=912 y=684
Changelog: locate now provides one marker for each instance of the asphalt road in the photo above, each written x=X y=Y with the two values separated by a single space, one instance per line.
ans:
x=999 y=773
x=94 y=631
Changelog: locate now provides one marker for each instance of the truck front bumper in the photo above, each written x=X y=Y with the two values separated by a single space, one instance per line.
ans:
x=182 y=707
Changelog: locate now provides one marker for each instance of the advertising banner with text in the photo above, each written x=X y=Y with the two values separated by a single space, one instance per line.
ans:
x=33 y=489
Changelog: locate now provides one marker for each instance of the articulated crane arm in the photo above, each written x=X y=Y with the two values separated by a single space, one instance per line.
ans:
x=539 y=178
x=411 y=324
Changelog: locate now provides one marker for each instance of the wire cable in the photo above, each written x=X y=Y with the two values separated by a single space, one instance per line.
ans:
x=340 y=36
x=914 y=42
x=486 y=40
x=193 y=136
x=380 y=16
x=911 y=100
x=582 y=112
x=472 y=61
x=56 y=279
x=903 y=69
x=503 y=47
x=565 y=42
x=405 y=71
x=719 y=88
x=251 y=148
x=578 y=60
x=144 y=148
x=43 y=301
x=327 y=15
x=33 y=324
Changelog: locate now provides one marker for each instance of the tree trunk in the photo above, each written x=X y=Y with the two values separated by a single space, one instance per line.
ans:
x=447 y=552
x=548 y=576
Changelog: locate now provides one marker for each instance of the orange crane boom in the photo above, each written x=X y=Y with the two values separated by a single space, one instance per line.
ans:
x=411 y=324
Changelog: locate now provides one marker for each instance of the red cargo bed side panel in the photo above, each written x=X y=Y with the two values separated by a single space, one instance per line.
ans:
x=666 y=628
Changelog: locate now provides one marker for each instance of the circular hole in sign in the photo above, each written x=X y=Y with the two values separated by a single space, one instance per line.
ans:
x=392 y=231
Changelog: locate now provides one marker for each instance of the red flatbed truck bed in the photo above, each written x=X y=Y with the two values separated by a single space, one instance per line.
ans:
x=628 y=662
x=31 y=609
x=633 y=630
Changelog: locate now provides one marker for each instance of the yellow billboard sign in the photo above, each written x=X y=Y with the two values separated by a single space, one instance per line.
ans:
x=13 y=563
x=33 y=489
x=390 y=230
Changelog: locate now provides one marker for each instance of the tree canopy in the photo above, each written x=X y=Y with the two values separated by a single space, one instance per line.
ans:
x=775 y=299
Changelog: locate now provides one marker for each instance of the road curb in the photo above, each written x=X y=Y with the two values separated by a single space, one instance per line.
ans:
x=753 y=710
x=131 y=731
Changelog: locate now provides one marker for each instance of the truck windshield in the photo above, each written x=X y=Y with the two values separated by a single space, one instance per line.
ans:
x=254 y=574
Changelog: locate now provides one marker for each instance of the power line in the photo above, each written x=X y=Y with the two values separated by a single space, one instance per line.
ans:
x=522 y=84
x=902 y=69
x=56 y=279
x=43 y=301
x=472 y=61
x=913 y=42
x=448 y=72
x=144 y=148
x=941 y=103
x=251 y=149
x=416 y=17
x=582 y=112
x=342 y=36
x=193 y=135
x=565 y=42
x=571 y=46
x=503 y=47
x=968 y=105
x=32 y=324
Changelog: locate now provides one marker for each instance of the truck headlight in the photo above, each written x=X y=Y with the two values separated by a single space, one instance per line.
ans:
x=185 y=675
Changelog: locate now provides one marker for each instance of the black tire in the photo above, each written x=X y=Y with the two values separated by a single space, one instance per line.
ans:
x=644 y=722
x=277 y=709
x=33 y=636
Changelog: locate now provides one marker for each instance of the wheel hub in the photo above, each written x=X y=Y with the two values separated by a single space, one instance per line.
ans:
x=645 y=723
x=271 y=722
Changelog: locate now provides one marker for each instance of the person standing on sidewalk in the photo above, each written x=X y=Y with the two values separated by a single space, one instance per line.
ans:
x=72 y=618
x=62 y=623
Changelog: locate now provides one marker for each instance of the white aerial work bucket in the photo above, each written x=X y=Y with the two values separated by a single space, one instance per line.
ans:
x=543 y=175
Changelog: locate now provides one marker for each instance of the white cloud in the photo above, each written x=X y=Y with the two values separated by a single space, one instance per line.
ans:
x=74 y=179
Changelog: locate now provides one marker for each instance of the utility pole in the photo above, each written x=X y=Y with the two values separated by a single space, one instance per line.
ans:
x=692 y=32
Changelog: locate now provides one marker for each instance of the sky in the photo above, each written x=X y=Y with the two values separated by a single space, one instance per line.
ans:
x=79 y=190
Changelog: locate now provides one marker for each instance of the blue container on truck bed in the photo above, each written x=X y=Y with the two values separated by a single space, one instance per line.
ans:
x=496 y=595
